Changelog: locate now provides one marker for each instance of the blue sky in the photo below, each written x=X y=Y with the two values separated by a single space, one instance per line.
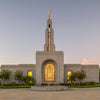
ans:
x=76 y=25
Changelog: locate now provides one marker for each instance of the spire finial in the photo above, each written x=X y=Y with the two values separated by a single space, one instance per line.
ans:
x=49 y=14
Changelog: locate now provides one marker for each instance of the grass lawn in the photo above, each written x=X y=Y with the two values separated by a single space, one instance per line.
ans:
x=29 y=86
x=21 y=86
x=84 y=86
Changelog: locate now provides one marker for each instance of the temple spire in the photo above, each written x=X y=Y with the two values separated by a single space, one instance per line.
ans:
x=49 y=36
x=49 y=14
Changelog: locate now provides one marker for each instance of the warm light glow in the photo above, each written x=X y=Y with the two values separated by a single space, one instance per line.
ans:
x=49 y=14
x=85 y=62
x=49 y=72
x=68 y=76
x=49 y=42
x=30 y=74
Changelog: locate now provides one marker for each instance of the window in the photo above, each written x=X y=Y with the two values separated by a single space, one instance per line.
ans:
x=68 y=76
x=49 y=72
x=49 y=42
x=30 y=74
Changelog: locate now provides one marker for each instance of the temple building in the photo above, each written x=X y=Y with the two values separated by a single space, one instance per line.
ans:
x=50 y=67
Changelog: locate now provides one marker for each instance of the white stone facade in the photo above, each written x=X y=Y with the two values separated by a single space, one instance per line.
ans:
x=92 y=71
x=55 y=57
x=49 y=55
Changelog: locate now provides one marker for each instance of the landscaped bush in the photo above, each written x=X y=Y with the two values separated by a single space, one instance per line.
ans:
x=0 y=82
x=18 y=75
x=63 y=84
x=44 y=84
x=83 y=83
x=80 y=75
x=56 y=85
x=28 y=80
x=51 y=84
x=11 y=84
x=5 y=75
x=90 y=83
x=99 y=75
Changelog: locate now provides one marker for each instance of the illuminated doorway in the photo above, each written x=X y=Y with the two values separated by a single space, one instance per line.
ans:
x=49 y=72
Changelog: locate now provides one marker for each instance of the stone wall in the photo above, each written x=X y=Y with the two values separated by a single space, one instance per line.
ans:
x=92 y=71
x=23 y=67
x=72 y=68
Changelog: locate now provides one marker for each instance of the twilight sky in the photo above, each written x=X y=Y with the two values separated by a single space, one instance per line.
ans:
x=76 y=25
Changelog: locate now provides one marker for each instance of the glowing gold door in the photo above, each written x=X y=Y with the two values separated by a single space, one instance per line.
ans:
x=49 y=72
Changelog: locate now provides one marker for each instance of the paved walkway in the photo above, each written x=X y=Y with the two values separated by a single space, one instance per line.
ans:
x=70 y=94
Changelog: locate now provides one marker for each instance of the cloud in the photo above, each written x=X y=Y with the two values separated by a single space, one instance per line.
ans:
x=85 y=62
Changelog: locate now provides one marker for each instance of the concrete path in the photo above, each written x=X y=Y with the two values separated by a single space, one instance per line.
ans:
x=70 y=94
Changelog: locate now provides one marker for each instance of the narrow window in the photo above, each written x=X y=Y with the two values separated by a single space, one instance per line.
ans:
x=30 y=75
x=68 y=76
x=49 y=25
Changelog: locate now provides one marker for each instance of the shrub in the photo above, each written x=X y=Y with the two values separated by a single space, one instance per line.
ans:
x=11 y=84
x=56 y=84
x=72 y=77
x=43 y=84
x=90 y=83
x=51 y=84
x=18 y=75
x=63 y=84
x=0 y=75
x=28 y=79
x=83 y=83
x=80 y=75
x=99 y=75
x=5 y=74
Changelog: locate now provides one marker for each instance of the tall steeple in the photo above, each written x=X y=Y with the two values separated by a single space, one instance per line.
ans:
x=49 y=36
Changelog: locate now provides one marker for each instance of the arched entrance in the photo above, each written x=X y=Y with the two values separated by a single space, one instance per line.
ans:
x=49 y=72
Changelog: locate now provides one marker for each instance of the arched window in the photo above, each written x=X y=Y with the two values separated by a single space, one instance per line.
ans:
x=30 y=73
x=68 y=76
x=49 y=72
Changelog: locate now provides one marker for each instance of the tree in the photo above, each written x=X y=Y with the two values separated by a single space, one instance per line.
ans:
x=80 y=75
x=28 y=79
x=18 y=75
x=99 y=75
x=72 y=77
x=0 y=75
x=5 y=74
